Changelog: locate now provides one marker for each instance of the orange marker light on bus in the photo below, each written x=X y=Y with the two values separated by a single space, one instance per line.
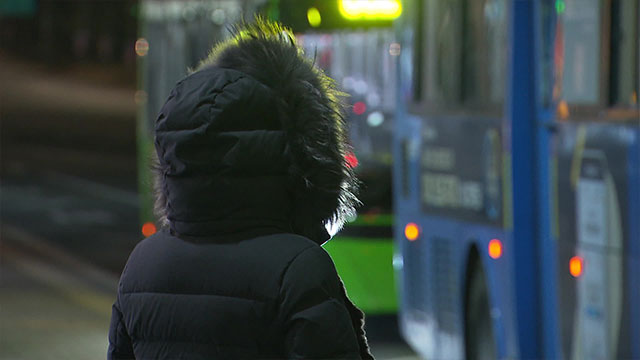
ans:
x=148 y=229
x=576 y=266
x=411 y=231
x=495 y=248
x=563 y=110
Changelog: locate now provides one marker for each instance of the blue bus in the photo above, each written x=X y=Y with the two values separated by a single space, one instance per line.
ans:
x=516 y=179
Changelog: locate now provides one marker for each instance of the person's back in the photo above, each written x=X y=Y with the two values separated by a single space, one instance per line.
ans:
x=251 y=169
x=274 y=296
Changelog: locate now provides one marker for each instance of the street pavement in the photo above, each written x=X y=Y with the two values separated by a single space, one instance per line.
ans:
x=50 y=308
x=90 y=221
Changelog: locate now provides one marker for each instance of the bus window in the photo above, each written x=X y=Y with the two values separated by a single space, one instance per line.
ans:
x=442 y=27
x=418 y=50
x=625 y=20
x=468 y=72
x=579 y=24
x=483 y=54
x=546 y=58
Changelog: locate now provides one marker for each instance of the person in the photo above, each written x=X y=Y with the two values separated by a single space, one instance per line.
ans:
x=251 y=170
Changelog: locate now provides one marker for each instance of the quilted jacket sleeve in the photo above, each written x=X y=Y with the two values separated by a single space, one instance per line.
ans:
x=316 y=321
x=120 y=346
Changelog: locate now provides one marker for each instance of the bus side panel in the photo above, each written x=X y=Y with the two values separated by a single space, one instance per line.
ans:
x=432 y=316
x=500 y=279
x=595 y=240
x=449 y=182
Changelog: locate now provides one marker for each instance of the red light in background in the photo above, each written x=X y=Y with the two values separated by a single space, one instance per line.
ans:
x=411 y=231
x=359 y=108
x=576 y=266
x=495 y=248
x=352 y=160
x=148 y=229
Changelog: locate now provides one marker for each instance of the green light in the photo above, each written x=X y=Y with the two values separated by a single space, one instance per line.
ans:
x=313 y=16
x=370 y=9
x=560 y=6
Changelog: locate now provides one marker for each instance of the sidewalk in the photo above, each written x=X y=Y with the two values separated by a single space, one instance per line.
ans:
x=52 y=306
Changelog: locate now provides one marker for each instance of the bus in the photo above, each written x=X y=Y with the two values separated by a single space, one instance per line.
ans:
x=176 y=35
x=516 y=178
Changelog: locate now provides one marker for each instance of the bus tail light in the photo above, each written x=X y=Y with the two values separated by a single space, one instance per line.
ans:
x=576 y=266
x=411 y=231
x=495 y=248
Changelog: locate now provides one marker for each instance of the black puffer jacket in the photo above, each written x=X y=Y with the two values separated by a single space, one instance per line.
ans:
x=239 y=272
x=272 y=296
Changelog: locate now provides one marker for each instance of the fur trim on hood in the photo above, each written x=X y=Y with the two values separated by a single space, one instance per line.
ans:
x=311 y=112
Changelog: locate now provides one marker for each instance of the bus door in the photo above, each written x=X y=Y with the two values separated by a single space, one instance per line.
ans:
x=589 y=134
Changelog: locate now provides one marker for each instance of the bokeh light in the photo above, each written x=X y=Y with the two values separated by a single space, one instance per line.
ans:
x=148 y=229
x=495 y=248
x=359 y=108
x=351 y=159
x=375 y=119
x=370 y=10
x=142 y=47
x=314 y=17
x=411 y=231
x=394 y=49
x=576 y=266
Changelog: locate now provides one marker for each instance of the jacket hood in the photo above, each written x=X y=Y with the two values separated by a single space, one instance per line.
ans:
x=222 y=155
x=255 y=138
